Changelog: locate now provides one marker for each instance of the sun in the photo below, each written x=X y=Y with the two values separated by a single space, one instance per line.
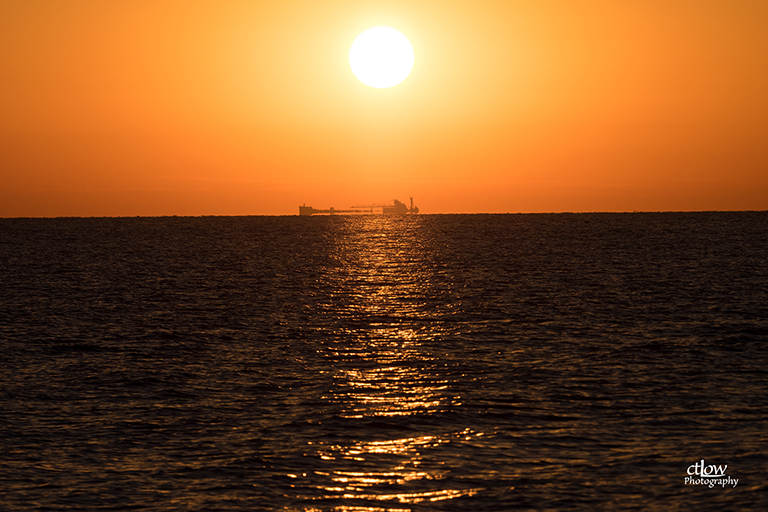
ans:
x=381 y=57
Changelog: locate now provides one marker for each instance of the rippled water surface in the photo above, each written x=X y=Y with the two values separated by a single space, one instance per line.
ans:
x=371 y=363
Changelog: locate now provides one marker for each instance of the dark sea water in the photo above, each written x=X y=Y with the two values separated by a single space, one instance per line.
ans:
x=372 y=363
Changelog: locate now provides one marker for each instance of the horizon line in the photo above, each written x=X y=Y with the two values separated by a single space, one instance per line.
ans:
x=377 y=214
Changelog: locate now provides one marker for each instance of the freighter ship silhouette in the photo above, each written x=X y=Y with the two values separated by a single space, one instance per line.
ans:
x=394 y=208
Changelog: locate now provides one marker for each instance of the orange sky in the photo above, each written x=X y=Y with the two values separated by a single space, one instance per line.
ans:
x=133 y=107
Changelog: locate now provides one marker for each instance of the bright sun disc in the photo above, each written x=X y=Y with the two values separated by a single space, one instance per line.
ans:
x=381 y=57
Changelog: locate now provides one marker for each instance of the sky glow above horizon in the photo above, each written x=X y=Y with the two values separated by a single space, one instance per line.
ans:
x=238 y=108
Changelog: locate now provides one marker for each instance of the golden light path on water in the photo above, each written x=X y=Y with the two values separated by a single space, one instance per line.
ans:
x=383 y=372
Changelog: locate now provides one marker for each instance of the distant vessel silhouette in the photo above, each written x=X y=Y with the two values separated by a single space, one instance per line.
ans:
x=395 y=208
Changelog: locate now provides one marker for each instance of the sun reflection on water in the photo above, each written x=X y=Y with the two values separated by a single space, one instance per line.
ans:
x=384 y=375
x=390 y=381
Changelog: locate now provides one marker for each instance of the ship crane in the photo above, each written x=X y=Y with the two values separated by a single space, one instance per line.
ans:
x=370 y=207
